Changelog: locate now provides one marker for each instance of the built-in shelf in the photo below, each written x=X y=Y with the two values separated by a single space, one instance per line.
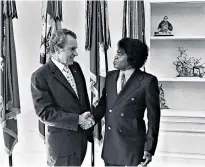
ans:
x=182 y=79
x=178 y=3
x=174 y=1
x=178 y=38
x=185 y=120
x=182 y=113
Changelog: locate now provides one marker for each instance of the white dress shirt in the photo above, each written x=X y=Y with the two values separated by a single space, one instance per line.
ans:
x=128 y=74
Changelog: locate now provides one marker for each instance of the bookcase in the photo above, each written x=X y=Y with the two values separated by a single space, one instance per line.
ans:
x=182 y=127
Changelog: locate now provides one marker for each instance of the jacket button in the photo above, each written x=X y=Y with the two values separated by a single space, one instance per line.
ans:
x=120 y=130
x=110 y=110
x=122 y=114
x=109 y=128
x=132 y=99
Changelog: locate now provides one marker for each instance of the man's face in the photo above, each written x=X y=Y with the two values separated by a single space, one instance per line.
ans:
x=120 y=61
x=165 y=18
x=68 y=53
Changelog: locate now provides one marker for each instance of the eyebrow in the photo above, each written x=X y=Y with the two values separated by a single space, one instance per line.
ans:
x=120 y=51
x=73 y=47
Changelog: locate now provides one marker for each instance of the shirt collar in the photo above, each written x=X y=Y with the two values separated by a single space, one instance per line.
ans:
x=58 y=64
x=127 y=72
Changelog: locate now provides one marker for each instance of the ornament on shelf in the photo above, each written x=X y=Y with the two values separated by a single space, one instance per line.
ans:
x=162 y=99
x=188 y=66
x=164 y=28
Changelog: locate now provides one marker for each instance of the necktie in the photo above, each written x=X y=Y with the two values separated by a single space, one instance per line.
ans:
x=70 y=78
x=123 y=80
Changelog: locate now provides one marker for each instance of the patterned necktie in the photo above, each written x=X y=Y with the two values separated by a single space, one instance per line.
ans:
x=70 y=78
x=123 y=80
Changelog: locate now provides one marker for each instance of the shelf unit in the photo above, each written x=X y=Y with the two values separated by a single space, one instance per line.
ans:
x=175 y=1
x=182 y=79
x=192 y=38
x=188 y=32
x=185 y=96
x=182 y=113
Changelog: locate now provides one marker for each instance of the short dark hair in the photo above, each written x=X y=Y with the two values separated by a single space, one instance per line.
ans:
x=136 y=50
x=58 y=39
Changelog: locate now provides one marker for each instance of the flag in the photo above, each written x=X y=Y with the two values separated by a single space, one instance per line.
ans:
x=9 y=89
x=51 y=20
x=133 y=25
x=134 y=20
x=97 y=42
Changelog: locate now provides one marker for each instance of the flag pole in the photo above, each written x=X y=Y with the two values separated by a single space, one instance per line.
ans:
x=10 y=161
x=92 y=153
x=92 y=143
x=95 y=5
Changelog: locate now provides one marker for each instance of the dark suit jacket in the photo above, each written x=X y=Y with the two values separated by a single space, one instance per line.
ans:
x=125 y=133
x=58 y=106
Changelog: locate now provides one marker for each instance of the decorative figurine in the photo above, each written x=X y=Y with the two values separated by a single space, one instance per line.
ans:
x=164 y=28
x=162 y=99
x=188 y=67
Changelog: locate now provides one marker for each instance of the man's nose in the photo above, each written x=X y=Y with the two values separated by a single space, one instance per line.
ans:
x=75 y=53
x=116 y=57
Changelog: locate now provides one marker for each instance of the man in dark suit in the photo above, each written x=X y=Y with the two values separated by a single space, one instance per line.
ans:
x=128 y=92
x=61 y=101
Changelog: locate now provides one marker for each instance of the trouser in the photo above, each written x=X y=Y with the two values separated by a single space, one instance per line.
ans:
x=108 y=164
x=75 y=159
x=61 y=151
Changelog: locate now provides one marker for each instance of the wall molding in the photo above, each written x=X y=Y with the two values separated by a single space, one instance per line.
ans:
x=184 y=131
x=181 y=155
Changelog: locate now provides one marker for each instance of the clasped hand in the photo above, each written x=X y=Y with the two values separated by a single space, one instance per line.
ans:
x=86 y=120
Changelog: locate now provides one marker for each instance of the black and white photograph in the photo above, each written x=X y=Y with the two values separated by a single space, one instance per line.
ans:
x=102 y=83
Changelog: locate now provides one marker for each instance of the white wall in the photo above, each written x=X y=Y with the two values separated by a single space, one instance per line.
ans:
x=27 y=30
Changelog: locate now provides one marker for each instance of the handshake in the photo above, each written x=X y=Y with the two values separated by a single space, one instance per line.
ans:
x=86 y=120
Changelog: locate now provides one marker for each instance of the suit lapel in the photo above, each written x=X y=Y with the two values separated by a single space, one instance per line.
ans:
x=112 y=88
x=60 y=77
x=131 y=85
